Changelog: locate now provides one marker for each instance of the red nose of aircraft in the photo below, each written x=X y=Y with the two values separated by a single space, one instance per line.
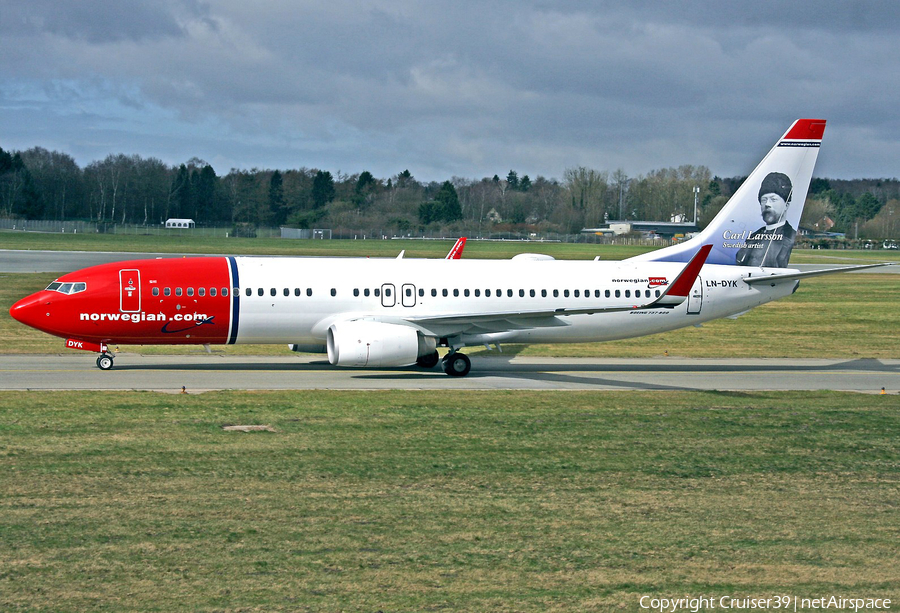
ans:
x=32 y=311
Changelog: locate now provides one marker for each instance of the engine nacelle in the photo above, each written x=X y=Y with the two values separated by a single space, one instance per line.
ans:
x=372 y=343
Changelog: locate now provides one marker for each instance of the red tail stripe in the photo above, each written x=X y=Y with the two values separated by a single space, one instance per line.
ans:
x=806 y=129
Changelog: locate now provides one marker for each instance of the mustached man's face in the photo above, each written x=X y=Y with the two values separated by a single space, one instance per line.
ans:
x=772 y=207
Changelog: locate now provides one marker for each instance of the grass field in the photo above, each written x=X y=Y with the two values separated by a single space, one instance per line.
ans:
x=373 y=248
x=403 y=501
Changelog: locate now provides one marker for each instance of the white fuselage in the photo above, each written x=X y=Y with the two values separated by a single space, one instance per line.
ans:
x=295 y=300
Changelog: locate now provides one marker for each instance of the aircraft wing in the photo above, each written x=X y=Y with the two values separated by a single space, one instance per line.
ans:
x=500 y=321
x=790 y=276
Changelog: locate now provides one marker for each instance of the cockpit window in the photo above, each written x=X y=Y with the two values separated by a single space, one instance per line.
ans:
x=66 y=288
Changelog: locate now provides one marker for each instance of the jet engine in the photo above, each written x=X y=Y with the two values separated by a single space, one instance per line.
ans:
x=375 y=344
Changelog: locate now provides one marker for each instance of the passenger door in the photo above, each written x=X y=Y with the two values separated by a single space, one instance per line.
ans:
x=408 y=295
x=695 y=298
x=130 y=290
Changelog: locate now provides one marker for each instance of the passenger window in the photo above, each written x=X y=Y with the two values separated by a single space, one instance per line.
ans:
x=499 y=293
x=178 y=291
x=296 y=291
x=628 y=293
x=377 y=292
x=477 y=293
x=408 y=293
x=309 y=291
x=155 y=291
x=466 y=293
x=356 y=291
x=260 y=291
x=531 y=292
x=543 y=293
x=272 y=291
x=577 y=294
x=167 y=291
x=334 y=292
x=444 y=293
x=248 y=291
x=521 y=293
x=225 y=291
x=387 y=292
x=606 y=293
x=487 y=293
x=434 y=293
x=556 y=293
x=509 y=293
x=212 y=292
x=287 y=291
x=657 y=293
x=566 y=293
x=201 y=291
x=618 y=294
x=456 y=293
x=421 y=293
x=366 y=292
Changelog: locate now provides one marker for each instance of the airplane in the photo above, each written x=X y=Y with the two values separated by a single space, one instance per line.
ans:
x=380 y=312
x=455 y=252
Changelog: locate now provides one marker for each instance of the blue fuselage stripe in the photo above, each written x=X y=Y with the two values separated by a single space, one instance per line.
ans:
x=235 y=300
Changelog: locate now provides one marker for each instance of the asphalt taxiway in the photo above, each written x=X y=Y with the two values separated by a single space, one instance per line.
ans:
x=217 y=372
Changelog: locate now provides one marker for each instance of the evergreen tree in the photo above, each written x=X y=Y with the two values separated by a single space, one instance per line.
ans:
x=447 y=201
x=323 y=189
x=277 y=204
x=205 y=191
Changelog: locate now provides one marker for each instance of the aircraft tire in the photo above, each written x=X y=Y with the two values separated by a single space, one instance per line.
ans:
x=457 y=364
x=428 y=360
x=105 y=362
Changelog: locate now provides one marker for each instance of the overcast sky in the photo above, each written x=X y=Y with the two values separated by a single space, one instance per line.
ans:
x=445 y=89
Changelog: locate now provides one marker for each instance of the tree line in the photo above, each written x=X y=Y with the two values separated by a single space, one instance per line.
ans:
x=122 y=189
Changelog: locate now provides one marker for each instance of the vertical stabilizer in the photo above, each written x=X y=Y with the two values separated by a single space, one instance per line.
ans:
x=758 y=225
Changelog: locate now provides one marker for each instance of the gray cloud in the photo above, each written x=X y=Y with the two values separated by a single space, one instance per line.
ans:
x=467 y=89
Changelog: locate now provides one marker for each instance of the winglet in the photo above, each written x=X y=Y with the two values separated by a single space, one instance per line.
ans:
x=457 y=249
x=678 y=290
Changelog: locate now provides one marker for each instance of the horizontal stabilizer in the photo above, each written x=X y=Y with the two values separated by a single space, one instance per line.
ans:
x=790 y=276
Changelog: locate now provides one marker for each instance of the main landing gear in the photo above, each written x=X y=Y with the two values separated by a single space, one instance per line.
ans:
x=105 y=361
x=456 y=364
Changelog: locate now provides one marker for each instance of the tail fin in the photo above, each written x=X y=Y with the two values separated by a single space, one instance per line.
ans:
x=757 y=226
x=457 y=249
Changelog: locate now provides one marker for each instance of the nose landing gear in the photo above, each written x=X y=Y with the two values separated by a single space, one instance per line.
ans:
x=105 y=361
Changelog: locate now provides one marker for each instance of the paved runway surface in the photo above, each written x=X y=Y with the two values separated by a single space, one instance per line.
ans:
x=18 y=260
x=212 y=372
